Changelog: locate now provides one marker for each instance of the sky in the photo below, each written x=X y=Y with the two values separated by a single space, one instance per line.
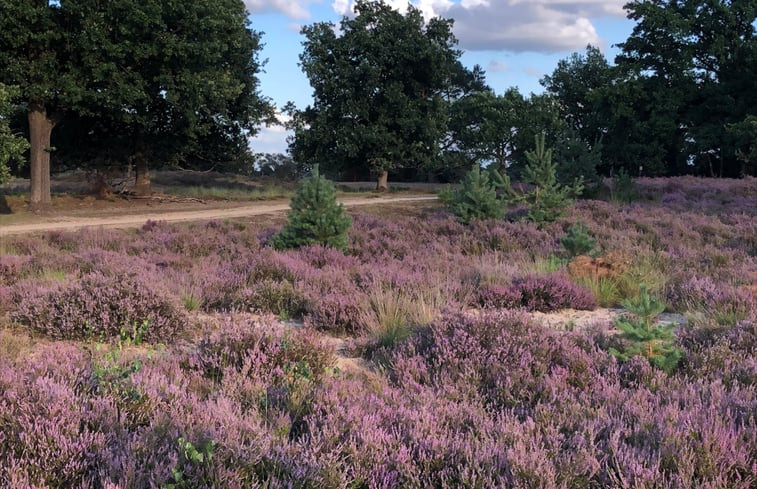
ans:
x=517 y=42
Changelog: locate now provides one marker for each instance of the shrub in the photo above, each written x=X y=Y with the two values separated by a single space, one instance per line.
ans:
x=99 y=306
x=644 y=337
x=538 y=293
x=477 y=196
x=338 y=313
x=315 y=217
x=12 y=146
x=279 y=298
x=578 y=241
x=577 y=160
x=549 y=199
x=713 y=303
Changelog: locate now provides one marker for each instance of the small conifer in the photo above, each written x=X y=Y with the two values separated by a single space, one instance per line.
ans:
x=578 y=241
x=547 y=201
x=477 y=196
x=644 y=337
x=315 y=217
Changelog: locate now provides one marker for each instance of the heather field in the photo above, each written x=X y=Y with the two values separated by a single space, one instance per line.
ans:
x=196 y=355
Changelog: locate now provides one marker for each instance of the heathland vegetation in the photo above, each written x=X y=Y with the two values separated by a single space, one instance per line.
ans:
x=559 y=320
x=121 y=84
x=200 y=356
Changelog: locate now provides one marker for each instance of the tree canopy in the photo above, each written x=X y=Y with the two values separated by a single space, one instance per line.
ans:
x=162 y=79
x=378 y=90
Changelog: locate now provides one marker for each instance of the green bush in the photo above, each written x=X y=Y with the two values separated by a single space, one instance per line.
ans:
x=643 y=336
x=477 y=197
x=548 y=200
x=578 y=160
x=315 y=217
x=578 y=241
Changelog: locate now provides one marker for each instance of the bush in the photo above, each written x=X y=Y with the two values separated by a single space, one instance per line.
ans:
x=548 y=200
x=578 y=160
x=477 y=196
x=279 y=298
x=99 y=306
x=315 y=217
x=643 y=336
x=538 y=293
x=578 y=241
x=624 y=188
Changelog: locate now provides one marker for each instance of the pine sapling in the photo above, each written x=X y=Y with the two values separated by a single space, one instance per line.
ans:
x=548 y=199
x=578 y=241
x=644 y=336
x=315 y=217
x=478 y=196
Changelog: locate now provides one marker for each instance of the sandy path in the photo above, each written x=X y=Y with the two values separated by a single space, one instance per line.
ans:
x=137 y=220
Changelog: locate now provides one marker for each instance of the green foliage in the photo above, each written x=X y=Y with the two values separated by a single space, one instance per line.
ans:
x=643 y=336
x=743 y=134
x=485 y=126
x=135 y=337
x=315 y=217
x=624 y=189
x=604 y=289
x=690 y=69
x=578 y=241
x=12 y=147
x=477 y=197
x=578 y=83
x=190 y=456
x=548 y=199
x=176 y=78
x=578 y=160
x=379 y=84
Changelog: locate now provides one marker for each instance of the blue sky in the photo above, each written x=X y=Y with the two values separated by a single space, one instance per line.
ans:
x=515 y=41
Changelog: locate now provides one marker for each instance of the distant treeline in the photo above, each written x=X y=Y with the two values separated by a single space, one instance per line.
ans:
x=175 y=83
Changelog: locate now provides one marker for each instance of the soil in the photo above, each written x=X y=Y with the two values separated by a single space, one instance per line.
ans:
x=571 y=319
x=136 y=212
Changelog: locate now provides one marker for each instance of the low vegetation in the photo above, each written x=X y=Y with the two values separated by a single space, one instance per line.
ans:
x=176 y=380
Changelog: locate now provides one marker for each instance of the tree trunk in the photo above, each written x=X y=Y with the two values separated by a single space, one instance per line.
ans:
x=382 y=185
x=502 y=163
x=142 y=172
x=40 y=129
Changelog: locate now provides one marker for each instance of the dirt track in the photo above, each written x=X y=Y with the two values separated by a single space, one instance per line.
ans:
x=138 y=219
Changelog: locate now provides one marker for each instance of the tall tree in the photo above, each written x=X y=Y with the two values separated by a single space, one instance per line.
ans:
x=577 y=84
x=170 y=77
x=34 y=54
x=485 y=125
x=378 y=89
x=697 y=58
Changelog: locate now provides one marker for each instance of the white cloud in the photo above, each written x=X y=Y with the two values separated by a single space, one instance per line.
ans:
x=272 y=139
x=517 y=25
x=297 y=9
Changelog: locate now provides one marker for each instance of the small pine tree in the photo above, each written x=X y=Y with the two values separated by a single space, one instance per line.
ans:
x=315 y=217
x=578 y=241
x=643 y=336
x=477 y=197
x=547 y=201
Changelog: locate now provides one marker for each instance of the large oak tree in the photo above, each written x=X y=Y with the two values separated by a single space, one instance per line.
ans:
x=159 y=77
x=379 y=83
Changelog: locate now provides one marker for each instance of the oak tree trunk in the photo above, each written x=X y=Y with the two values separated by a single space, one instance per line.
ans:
x=40 y=129
x=382 y=185
x=142 y=180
